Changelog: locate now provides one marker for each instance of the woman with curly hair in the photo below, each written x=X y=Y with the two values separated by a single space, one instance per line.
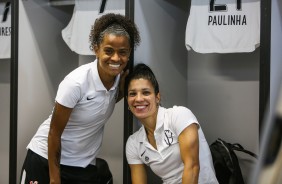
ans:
x=65 y=147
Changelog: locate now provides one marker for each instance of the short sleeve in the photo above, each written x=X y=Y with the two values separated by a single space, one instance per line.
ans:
x=132 y=151
x=182 y=117
x=68 y=93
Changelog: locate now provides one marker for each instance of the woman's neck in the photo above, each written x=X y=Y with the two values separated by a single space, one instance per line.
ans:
x=150 y=135
x=108 y=81
x=150 y=126
x=150 y=122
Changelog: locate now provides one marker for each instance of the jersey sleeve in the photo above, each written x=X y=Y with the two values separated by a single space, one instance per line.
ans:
x=68 y=93
x=182 y=118
x=132 y=151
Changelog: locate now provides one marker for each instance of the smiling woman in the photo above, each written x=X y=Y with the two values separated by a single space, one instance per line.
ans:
x=113 y=55
x=141 y=100
x=170 y=140
x=65 y=147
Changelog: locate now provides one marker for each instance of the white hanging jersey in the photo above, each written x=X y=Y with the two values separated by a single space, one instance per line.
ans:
x=5 y=30
x=223 y=26
x=76 y=34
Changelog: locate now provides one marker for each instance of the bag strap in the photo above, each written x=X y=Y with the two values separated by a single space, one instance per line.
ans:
x=239 y=147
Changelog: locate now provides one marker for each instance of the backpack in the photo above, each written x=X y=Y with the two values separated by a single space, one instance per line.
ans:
x=226 y=164
x=103 y=171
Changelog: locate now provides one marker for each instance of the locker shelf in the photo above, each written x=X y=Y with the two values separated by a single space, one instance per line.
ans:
x=61 y=2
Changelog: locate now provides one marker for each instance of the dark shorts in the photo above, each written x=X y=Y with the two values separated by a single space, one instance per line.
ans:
x=35 y=171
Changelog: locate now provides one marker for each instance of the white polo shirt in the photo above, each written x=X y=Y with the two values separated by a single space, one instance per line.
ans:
x=92 y=105
x=76 y=33
x=166 y=161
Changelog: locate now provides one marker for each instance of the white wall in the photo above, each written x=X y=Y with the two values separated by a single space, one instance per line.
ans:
x=223 y=90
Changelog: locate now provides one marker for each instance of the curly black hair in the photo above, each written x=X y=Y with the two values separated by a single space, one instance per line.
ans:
x=109 y=19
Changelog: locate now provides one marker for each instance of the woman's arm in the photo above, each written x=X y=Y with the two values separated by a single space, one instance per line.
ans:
x=189 y=149
x=138 y=174
x=59 y=120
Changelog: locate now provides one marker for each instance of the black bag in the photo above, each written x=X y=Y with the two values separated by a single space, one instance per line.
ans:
x=226 y=163
x=104 y=173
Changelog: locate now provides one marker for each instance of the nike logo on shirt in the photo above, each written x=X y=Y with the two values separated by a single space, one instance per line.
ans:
x=90 y=97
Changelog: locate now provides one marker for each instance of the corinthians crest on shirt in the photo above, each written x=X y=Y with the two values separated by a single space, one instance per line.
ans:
x=169 y=137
